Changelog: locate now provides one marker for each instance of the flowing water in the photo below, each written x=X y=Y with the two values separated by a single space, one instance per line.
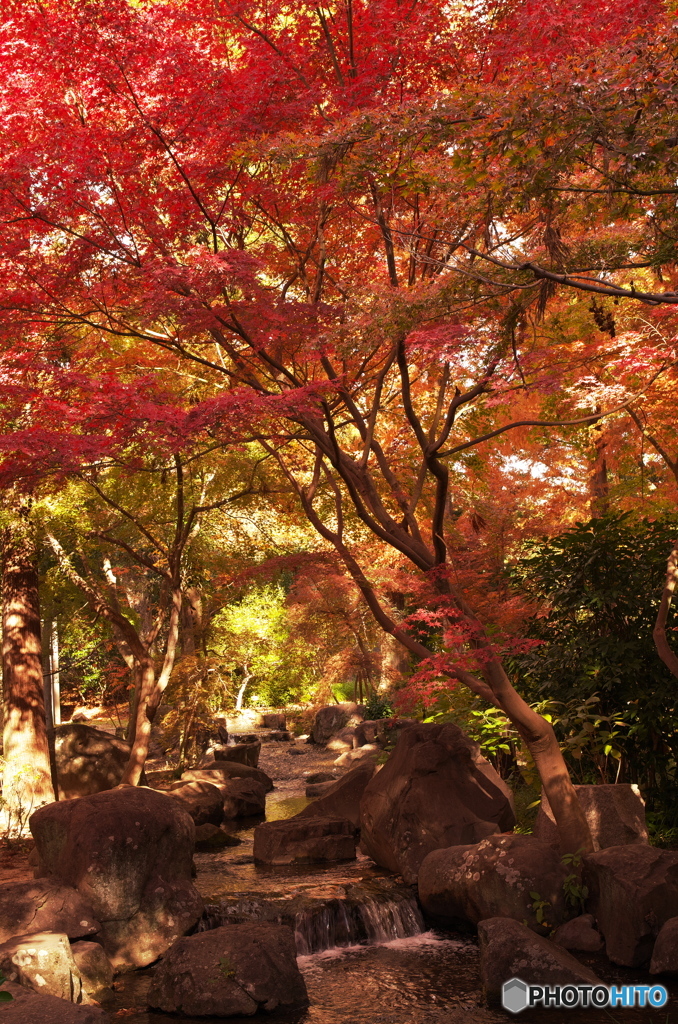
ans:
x=364 y=948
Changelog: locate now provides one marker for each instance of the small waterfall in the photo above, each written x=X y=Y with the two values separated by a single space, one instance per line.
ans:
x=391 y=919
x=354 y=921
x=364 y=914
x=324 y=927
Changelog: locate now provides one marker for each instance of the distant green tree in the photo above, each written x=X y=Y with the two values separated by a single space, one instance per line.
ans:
x=599 y=585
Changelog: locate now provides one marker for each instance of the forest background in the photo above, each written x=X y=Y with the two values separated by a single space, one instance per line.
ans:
x=338 y=357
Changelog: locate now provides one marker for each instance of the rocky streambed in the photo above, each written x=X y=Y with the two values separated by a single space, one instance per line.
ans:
x=362 y=943
x=366 y=952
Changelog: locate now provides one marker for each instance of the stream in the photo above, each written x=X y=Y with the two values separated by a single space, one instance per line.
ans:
x=366 y=953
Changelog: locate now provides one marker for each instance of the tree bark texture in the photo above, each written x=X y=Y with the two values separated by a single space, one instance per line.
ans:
x=150 y=691
x=661 y=642
x=27 y=779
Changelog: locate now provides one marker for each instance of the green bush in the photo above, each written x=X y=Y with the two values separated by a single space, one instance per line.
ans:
x=596 y=669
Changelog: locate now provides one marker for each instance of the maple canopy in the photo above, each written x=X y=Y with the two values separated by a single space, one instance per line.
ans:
x=371 y=237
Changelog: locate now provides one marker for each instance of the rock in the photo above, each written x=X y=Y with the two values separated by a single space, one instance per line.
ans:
x=95 y=969
x=44 y=906
x=209 y=838
x=579 y=933
x=278 y=736
x=341 y=799
x=129 y=853
x=237 y=798
x=88 y=760
x=508 y=949
x=29 y=1007
x=309 y=840
x=43 y=962
x=495 y=878
x=633 y=891
x=270 y=720
x=220 y=729
x=330 y=719
x=219 y=772
x=665 y=952
x=342 y=740
x=615 y=813
x=435 y=791
x=202 y=800
x=316 y=777
x=380 y=730
x=349 y=757
x=230 y=971
x=318 y=789
x=240 y=753
x=243 y=798
x=369 y=731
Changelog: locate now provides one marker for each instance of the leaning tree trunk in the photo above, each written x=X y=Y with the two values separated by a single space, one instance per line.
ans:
x=27 y=778
x=573 y=830
x=537 y=733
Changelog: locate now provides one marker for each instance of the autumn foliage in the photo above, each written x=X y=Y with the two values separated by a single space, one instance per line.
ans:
x=421 y=255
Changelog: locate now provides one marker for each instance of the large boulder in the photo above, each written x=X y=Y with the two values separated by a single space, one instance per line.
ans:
x=243 y=798
x=332 y=719
x=202 y=800
x=633 y=891
x=88 y=760
x=43 y=962
x=240 y=753
x=95 y=969
x=435 y=791
x=231 y=971
x=508 y=950
x=44 y=906
x=219 y=772
x=304 y=841
x=665 y=952
x=615 y=814
x=270 y=720
x=30 y=1007
x=341 y=799
x=495 y=878
x=129 y=853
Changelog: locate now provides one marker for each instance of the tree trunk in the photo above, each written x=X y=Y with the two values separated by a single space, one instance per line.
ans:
x=27 y=779
x=150 y=692
x=664 y=650
x=540 y=739
x=192 y=640
x=241 y=692
x=599 y=484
